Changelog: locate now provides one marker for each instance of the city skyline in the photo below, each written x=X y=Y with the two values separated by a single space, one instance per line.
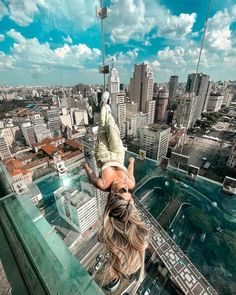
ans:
x=42 y=45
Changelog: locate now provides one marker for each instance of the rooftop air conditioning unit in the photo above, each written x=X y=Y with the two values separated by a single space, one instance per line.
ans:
x=20 y=188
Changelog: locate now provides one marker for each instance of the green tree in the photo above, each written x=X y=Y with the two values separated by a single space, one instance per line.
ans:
x=199 y=220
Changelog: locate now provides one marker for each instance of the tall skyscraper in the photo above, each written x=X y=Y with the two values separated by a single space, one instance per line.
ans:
x=113 y=81
x=173 y=83
x=118 y=106
x=141 y=89
x=184 y=112
x=209 y=88
x=199 y=86
x=151 y=107
x=154 y=140
x=161 y=106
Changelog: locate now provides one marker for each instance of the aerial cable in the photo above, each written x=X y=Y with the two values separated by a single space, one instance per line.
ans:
x=197 y=69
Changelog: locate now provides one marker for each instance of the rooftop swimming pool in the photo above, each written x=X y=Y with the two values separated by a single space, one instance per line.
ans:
x=198 y=216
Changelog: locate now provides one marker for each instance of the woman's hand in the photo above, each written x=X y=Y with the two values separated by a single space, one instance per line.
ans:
x=131 y=160
x=85 y=165
x=87 y=168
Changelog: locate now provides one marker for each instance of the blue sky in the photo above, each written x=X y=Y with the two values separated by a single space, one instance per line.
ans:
x=58 y=41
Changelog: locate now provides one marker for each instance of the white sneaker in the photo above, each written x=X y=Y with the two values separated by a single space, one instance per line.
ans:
x=105 y=98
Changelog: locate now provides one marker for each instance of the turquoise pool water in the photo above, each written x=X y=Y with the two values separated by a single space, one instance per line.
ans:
x=209 y=238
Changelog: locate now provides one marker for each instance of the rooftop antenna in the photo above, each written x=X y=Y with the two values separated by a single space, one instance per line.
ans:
x=113 y=63
x=102 y=13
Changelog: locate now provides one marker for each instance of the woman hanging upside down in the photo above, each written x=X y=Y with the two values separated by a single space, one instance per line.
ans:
x=123 y=233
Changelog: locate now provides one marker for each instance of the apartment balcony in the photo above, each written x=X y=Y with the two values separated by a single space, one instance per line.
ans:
x=192 y=243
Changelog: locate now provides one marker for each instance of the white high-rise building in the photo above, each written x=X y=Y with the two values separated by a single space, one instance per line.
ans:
x=4 y=149
x=151 y=107
x=89 y=142
x=141 y=89
x=77 y=208
x=113 y=81
x=28 y=132
x=154 y=139
x=118 y=106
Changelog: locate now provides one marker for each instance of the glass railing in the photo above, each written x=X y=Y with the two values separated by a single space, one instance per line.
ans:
x=47 y=264
x=197 y=214
x=174 y=201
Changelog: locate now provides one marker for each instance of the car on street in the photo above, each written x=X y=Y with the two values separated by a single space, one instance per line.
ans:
x=99 y=257
x=98 y=266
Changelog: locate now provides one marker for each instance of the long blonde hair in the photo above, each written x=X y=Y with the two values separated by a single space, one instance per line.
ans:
x=125 y=237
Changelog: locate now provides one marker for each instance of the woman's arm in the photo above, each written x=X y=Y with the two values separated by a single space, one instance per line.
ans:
x=93 y=179
x=131 y=173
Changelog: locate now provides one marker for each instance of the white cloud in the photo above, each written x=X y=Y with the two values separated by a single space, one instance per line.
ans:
x=133 y=53
x=30 y=53
x=23 y=11
x=133 y=19
x=16 y=36
x=77 y=15
x=67 y=39
x=2 y=37
x=172 y=26
x=127 y=20
x=6 y=61
x=3 y=10
x=219 y=34
x=122 y=59
x=62 y=14
x=147 y=43
x=180 y=57
x=156 y=65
